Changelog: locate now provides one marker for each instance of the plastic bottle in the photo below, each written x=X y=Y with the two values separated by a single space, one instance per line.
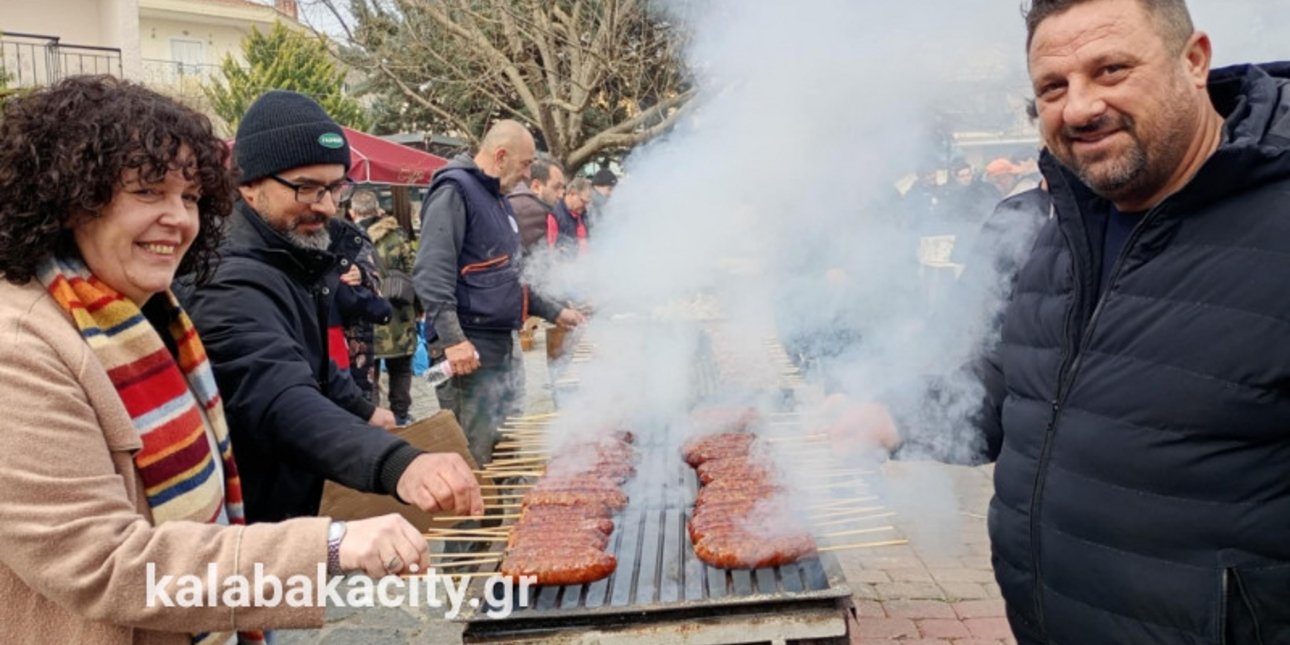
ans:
x=439 y=374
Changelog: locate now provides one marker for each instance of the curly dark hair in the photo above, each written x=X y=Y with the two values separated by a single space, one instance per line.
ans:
x=64 y=149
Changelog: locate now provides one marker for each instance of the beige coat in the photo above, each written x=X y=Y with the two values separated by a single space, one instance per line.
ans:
x=75 y=530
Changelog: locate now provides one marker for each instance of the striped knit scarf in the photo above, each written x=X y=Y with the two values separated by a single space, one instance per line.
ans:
x=175 y=406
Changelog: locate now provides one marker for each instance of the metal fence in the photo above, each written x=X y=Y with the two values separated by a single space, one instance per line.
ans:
x=28 y=60
x=179 y=79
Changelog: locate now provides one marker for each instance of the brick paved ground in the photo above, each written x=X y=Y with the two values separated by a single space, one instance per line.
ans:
x=938 y=590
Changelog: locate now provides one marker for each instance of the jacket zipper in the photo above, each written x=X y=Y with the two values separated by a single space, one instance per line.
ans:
x=1069 y=370
x=1222 y=610
x=320 y=306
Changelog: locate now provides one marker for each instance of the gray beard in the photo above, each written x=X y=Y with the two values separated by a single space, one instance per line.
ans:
x=317 y=242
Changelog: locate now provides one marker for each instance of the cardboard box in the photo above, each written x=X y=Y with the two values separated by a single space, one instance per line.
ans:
x=438 y=433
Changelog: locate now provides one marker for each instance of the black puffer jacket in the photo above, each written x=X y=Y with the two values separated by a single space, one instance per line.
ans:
x=1142 y=490
x=295 y=419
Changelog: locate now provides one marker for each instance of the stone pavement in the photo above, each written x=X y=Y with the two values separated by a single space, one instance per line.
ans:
x=937 y=590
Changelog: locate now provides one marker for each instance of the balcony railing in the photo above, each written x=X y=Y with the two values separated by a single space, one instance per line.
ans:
x=28 y=60
x=184 y=80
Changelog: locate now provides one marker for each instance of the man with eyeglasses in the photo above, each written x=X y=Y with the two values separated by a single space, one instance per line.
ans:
x=296 y=418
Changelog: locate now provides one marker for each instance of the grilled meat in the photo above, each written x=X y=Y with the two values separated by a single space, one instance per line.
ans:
x=614 y=499
x=557 y=565
x=740 y=550
x=722 y=445
x=734 y=468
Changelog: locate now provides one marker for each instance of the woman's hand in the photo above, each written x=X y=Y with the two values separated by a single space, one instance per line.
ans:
x=381 y=546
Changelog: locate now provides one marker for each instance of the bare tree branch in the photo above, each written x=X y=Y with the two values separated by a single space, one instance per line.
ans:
x=578 y=71
x=622 y=135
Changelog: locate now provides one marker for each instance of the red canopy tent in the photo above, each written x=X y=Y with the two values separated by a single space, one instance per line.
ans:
x=377 y=161
x=374 y=160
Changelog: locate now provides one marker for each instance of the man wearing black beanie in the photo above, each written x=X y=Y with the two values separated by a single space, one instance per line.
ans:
x=296 y=418
x=602 y=186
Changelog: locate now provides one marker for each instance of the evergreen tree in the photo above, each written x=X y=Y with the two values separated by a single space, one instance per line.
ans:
x=282 y=59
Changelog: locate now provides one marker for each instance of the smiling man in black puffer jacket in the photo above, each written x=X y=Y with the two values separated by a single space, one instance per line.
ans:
x=1138 y=402
x=1142 y=404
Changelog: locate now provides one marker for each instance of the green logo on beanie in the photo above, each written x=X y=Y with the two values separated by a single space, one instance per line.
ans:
x=331 y=140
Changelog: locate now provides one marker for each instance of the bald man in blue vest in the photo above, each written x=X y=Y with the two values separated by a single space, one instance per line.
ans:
x=467 y=276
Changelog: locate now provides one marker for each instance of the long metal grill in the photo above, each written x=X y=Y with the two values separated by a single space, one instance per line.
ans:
x=658 y=575
x=660 y=590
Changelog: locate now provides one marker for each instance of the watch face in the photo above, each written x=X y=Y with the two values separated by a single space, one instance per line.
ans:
x=336 y=531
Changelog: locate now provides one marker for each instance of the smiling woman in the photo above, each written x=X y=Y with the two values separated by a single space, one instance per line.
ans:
x=116 y=467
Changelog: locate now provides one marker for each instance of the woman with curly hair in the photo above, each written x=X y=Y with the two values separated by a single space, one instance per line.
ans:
x=116 y=471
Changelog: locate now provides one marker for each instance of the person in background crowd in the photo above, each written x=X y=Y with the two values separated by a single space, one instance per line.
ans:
x=566 y=226
x=299 y=420
x=967 y=199
x=922 y=202
x=1010 y=179
x=467 y=276
x=1134 y=400
x=602 y=186
x=358 y=306
x=396 y=341
x=534 y=200
x=115 y=460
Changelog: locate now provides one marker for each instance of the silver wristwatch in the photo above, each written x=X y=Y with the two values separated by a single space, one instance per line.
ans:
x=335 y=533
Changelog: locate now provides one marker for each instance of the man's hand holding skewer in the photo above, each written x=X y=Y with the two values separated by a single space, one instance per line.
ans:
x=441 y=483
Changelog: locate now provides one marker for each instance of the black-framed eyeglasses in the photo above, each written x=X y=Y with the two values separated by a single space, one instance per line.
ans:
x=314 y=193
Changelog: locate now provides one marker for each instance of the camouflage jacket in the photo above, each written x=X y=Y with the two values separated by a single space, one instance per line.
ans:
x=399 y=338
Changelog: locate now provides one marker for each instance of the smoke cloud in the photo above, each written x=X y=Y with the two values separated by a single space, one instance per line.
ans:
x=775 y=207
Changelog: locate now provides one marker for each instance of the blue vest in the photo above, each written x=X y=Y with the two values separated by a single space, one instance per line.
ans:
x=489 y=295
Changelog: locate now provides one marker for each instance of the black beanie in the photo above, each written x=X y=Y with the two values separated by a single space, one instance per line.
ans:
x=604 y=177
x=284 y=130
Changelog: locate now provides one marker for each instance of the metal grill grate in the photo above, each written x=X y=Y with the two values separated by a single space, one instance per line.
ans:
x=658 y=571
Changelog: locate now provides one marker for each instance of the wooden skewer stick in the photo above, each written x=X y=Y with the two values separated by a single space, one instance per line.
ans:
x=506 y=473
x=515 y=454
x=504 y=486
x=861 y=545
x=480 y=535
x=835 y=504
x=876 y=529
x=465 y=563
x=521 y=444
x=529 y=417
x=809 y=438
x=844 y=471
x=483 y=530
x=516 y=460
x=858 y=518
x=835 y=486
x=463 y=518
x=449 y=556
x=515 y=496
x=465 y=556
x=849 y=511
x=472 y=574
x=463 y=538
